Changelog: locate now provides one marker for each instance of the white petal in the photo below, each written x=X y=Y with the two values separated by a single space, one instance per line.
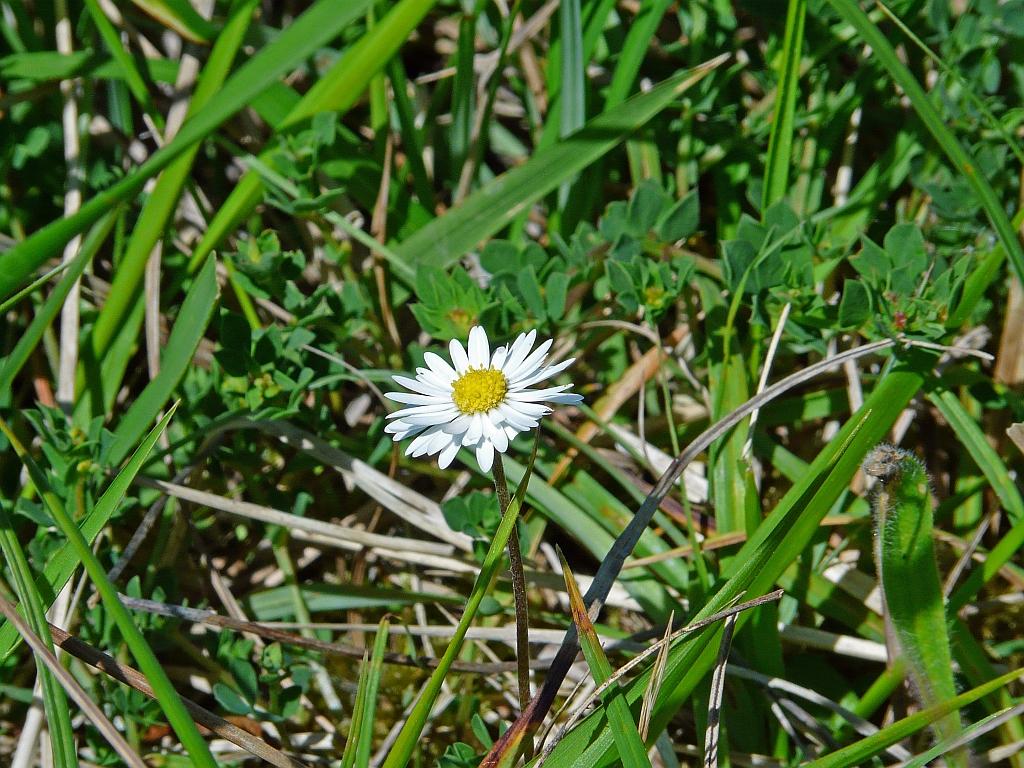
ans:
x=544 y=373
x=410 y=398
x=419 y=446
x=476 y=429
x=521 y=421
x=429 y=419
x=440 y=366
x=434 y=379
x=400 y=430
x=533 y=395
x=422 y=385
x=448 y=454
x=530 y=410
x=520 y=349
x=485 y=455
x=566 y=398
x=459 y=358
x=440 y=440
x=511 y=431
x=498 y=358
x=496 y=435
x=458 y=425
x=419 y=410
x=479 y=349
x=529 y=366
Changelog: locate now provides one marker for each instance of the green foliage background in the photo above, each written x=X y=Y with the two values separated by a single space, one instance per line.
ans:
x=354 y=184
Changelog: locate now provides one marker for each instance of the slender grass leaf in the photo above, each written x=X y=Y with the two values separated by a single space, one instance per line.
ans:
x=860 y=752
x=193 y=319
x=55 y=702
x=780 y=143
x=632 y=751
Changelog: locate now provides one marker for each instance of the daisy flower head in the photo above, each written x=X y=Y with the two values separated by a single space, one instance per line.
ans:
x=481 y=400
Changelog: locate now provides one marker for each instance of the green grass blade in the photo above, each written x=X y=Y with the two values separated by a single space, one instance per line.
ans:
x=446 y=239
x=13 y=300
x=632 y=751
x=180 y=16
x=369 y=712
x=193 y=319
x=177 y=716
x=336 y=91
x=574 y=104
x=43 y=318
x=152 y=222
x=971 y=732
x=289 y=49
x=780 y=143
x=862 y=751
x=55 y=702
x=412 y=140
x=634 y=49
x=961 y=159
x=132 y=77
x=973 y=439
x=905 y=557
x=408 y=737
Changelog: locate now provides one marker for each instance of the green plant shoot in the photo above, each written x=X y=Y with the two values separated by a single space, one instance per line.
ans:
x=905 y=559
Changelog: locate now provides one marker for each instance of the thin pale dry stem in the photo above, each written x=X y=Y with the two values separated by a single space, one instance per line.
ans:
x=666 y=640
x=135 y=679
x=711 y=736
x=74 y=690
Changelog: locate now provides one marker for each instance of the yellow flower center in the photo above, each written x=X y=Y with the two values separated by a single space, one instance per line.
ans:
x=479 y=390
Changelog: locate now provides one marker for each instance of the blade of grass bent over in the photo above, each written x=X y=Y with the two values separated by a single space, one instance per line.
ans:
x=177 y=715
x=408 y=737
x=624 y=729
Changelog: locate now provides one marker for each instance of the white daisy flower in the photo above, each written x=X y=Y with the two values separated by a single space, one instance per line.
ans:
x=480 y=401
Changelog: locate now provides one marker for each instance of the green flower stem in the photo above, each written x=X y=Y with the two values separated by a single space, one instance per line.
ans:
x=408 y=737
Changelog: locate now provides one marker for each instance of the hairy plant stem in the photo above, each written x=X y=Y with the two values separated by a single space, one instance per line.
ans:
x=515 y=557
